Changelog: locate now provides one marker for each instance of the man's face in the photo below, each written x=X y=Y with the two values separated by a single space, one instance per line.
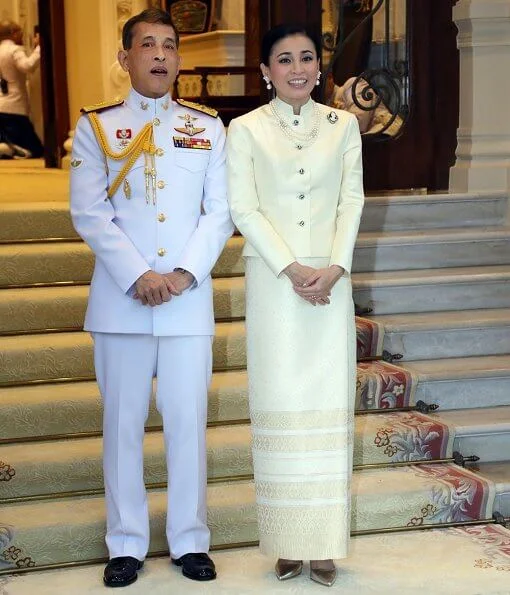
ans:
x=152 y=61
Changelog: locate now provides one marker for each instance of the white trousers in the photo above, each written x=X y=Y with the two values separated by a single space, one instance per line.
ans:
x=125 y=366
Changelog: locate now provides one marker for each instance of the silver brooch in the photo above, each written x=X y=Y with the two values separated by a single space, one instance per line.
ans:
x=333 y=117
x=144 y=105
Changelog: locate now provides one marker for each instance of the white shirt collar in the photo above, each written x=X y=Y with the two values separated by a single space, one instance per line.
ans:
x=147 y=105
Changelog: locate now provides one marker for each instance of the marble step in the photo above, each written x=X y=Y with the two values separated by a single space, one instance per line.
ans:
x=76 y=407
x=75 y=464
x=65 y=262
x=41 y=220
x=390 y=213
x=72 y=529
x=71 y=408
x=483 y=431
x=24 y=264
x=499 y=473
x=57 y=356
x=35 y=221
x=463 y=288
x=462 y=383
x=54 y=410
x=450 y=334
x=43 y=308
x=436 y=248
x=52 y=356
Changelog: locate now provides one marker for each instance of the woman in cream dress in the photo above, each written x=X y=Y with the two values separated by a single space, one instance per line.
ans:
x=296 y=195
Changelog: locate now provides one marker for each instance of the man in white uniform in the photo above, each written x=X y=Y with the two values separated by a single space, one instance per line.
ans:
x=148 y=195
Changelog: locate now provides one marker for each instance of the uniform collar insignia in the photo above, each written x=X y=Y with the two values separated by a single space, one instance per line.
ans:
x=189 y=126
x=144 y=105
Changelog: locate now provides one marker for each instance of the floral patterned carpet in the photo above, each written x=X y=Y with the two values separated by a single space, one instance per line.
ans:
x=470 y=561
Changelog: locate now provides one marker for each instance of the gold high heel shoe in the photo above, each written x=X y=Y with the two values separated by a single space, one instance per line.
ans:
x=323 y=576
x=286 y=569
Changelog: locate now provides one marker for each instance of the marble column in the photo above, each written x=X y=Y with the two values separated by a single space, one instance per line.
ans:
x=483 y=149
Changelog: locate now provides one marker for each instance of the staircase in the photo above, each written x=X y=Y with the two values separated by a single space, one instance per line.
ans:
x=434 y=272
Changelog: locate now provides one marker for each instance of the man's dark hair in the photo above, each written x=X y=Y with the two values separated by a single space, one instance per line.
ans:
x=279 y=32
x=150 y=15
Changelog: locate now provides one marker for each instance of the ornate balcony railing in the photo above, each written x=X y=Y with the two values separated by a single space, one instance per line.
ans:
x=365 y=51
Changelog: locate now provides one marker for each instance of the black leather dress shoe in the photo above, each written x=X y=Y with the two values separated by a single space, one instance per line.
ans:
x=122 y=571
x=198 y=567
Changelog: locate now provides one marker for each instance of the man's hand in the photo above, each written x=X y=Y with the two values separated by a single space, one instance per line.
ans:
x=181 y=281
x=153 y=288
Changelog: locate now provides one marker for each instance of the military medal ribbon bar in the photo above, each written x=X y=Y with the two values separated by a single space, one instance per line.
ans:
x=186 y=142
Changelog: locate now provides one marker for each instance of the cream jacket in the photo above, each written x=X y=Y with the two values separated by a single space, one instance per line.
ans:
x=291 y=202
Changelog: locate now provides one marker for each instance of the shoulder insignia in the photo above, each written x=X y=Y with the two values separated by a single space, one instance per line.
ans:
x=101 y=106
x=198 y=107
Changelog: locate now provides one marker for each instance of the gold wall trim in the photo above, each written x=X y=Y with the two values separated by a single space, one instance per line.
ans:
x=44 y=284
x=41 y=240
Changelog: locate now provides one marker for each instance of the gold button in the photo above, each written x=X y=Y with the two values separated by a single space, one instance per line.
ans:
x=161 y=217
x=161 y=252
x=160 y=152
x=156 y=121
x=161 y=184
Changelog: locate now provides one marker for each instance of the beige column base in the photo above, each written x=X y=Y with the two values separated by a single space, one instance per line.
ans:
x=483 y=150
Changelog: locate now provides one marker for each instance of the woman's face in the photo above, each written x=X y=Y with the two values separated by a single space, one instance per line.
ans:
x=293 y=68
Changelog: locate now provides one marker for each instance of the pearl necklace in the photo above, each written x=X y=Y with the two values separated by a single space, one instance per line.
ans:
x=300 y=139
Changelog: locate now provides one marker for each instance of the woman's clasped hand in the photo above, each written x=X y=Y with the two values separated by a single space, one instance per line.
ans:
x=314 y=285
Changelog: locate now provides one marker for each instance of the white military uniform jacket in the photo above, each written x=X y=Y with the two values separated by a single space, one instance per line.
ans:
x=184 y=223
x=291 y=202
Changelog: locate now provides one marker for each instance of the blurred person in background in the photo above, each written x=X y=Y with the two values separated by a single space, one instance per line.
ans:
x=18 y=138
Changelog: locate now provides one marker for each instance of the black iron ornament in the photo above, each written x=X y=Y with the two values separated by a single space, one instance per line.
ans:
x=386 y=85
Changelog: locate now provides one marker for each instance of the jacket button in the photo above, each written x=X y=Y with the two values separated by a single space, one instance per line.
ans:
x=296 y=122
x=156 y=121
x=301 y=171
x=301 y=223
x=161 y=184
x=161 y=252
x=301 y=196
x=160 y=152
x=161 y=217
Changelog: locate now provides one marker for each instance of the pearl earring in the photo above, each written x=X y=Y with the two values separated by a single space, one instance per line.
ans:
x=318 y=81
x=268 y=82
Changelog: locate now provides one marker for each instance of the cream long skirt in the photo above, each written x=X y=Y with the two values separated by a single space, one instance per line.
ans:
x=301 y=371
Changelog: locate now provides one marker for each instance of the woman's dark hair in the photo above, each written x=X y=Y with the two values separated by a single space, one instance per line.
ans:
x=150 y=15
x=275 y=34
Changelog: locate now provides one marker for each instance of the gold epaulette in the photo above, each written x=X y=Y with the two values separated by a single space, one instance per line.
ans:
x=101 y=106
x=198 y=107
